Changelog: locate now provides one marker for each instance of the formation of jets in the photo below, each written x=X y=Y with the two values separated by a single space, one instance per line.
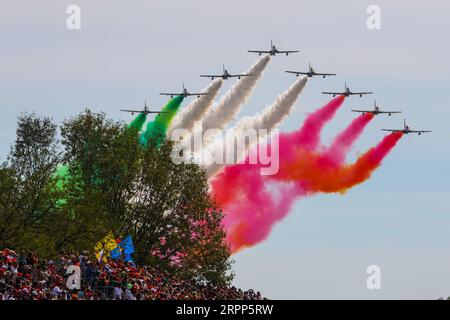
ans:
x=225 y=75
x=185 y=93
x=273 y=51
x=377 y=111
x=144 y=111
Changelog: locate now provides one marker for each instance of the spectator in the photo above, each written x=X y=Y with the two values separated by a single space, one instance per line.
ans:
x=128 y=295
x=25 y=277
x=118 y=292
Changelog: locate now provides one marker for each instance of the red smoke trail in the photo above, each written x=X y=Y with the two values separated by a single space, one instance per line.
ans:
x=346 y=139
x=308 y=136
x=305 y=162
x=250 y=220
x=321 y=176
x=253 y=203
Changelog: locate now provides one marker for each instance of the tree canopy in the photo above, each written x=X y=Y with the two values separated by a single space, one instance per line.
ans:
x=66 y=192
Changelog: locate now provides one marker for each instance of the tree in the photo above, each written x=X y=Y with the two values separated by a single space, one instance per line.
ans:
x=102 y=180
x=138 y=190
x=28 y=196
x=93 y=154
x=173 y=220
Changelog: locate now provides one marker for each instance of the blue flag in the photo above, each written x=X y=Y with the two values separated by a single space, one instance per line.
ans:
x=126 y=248
x=115 y=254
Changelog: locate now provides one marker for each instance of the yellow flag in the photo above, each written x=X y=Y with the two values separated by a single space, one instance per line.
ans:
x=104 y=247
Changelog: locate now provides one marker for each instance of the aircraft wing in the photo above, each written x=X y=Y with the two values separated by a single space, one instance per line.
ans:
x=359 y=93
x=288 y=51
x=239 y=75
x=392 y=130
x=210 y=76
x=419 y=131
x=296 y=72
x=363 y=111
x=170 y=94
x=389 y=112
x=156 y=112
x=259 y=51
x=198 y=94
x=132 y=111
x=326 y=74
x=336 y=93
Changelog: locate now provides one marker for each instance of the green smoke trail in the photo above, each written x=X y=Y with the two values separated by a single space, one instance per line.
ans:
x=62 y=171
x=61 y=174
x=138 y=122
x=157 y=128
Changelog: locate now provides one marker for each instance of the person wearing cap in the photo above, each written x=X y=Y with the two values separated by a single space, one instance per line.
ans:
x=128 y=294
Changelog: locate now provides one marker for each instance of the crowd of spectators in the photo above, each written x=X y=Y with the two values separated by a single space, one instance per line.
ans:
x=26 y=277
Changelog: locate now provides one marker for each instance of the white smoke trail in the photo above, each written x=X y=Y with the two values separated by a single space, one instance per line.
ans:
x=228 y=106
x=261 y=124
x=196 y=110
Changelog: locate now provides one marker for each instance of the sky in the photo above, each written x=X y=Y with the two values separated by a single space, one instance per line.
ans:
x=126 y=52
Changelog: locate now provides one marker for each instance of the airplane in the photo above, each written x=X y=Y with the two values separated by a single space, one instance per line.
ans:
x=311 y=73
x=406 y=129
x=184 y=94
x=273 y=51
x=226 y=75
x=376 y=110
x=145 y=111
x=347 y=92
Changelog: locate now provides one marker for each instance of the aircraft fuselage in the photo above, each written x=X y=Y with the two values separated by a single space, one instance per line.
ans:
x=226 y=75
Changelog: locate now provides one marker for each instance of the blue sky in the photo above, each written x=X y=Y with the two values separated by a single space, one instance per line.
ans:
x=128 y=52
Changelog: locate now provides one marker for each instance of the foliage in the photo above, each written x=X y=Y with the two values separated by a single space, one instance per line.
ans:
x=111 y=182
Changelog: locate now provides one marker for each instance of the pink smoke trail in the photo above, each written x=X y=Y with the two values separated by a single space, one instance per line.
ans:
x=346 y=139
x=250 y=220
x=308 y=137
x=253 y=204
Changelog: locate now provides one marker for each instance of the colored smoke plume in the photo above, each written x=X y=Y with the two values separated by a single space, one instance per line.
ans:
x=253 y=203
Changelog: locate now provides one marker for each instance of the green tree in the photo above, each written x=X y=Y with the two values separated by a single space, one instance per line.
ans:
x=172 y=218
x=28 y=197
x=138 y=190
x=111 y=183
x=94 y=169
